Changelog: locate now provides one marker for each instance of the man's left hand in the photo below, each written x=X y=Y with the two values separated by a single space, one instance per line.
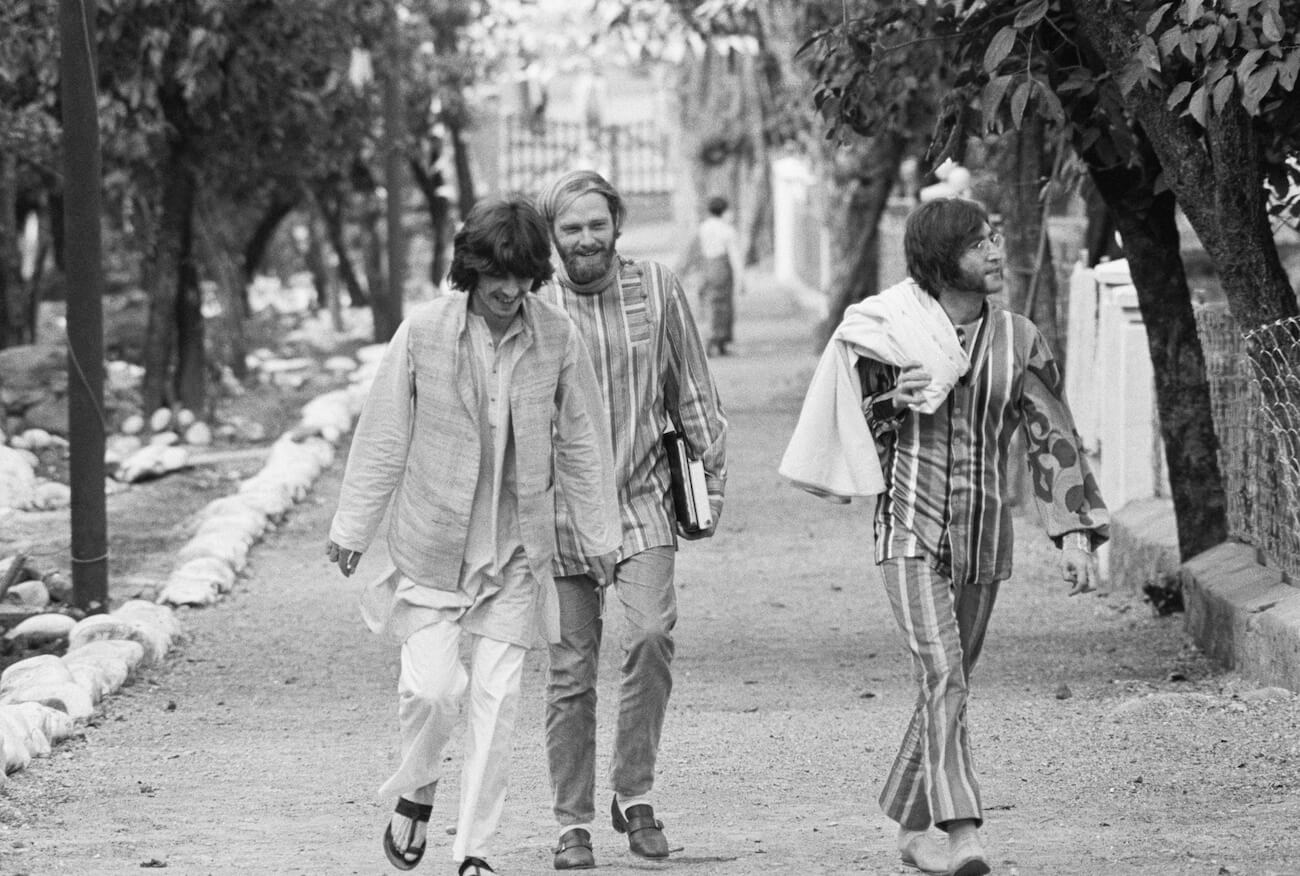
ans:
x=715 y=508
x=1079 y=569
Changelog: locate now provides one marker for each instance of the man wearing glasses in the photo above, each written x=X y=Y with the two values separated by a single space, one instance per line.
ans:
x=943 y=534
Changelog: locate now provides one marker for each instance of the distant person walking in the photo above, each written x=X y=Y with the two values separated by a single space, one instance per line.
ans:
x=652 y=369
x=484 y=398
x=714 y=255
x=945 y=378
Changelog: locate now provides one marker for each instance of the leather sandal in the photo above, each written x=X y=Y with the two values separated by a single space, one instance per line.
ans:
x=417 y=812
x=645 y=833
x=473 y=866
x=574 y=851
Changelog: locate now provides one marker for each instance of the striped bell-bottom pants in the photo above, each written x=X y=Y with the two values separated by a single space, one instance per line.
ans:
x=933 y=777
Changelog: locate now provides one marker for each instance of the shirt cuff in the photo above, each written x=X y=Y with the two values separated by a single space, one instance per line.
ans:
x=1079 y=539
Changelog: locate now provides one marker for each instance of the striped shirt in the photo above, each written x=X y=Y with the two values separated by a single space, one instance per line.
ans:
x=946 y=485
x=649 y=361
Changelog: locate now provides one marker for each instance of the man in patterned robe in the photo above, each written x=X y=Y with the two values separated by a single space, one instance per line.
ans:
x=943 y=531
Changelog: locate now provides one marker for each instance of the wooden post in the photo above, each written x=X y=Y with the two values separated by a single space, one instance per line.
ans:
x=85 y=315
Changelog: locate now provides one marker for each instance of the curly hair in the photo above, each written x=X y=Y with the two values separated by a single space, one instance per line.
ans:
x=499 y=238
x=936 y=236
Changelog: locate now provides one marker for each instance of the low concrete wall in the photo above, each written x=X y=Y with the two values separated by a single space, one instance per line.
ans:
x=1143 y=547
x=1244 y=614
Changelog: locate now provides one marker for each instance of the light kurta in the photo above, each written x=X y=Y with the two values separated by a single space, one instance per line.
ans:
x=440 y=427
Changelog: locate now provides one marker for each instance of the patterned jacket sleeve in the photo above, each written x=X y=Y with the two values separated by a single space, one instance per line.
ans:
x=380 y=442
x=690 y=388
x=1064 y=488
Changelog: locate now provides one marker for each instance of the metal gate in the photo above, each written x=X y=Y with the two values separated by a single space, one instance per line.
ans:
x=636 y=157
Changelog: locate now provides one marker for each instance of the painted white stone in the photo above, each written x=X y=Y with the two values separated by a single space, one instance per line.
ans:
x=41 y=669
x=164 y=439
x=152 y=460
x=233 y=552
x=132 y=425
x=160 y=419
x=209 y=570
x=150 y=614
x=128 y=651
x=50 y=496
x=54 y=724
x=108 y=626
x=31 y=594
x=14 y=733
x=118 y=448
x=189 y=591
x=69 y=697
x=41 y=629
x=17 y=478
x=185 y=418
x=198 y=434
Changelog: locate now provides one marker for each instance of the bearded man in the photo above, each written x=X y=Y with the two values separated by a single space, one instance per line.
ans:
x=652 y=370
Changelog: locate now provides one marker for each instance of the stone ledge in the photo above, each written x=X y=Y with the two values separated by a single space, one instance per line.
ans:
x=1243 y=614
x=1143 y=546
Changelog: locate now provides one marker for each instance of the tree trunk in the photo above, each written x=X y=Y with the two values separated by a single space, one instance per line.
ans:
x=857 y=228
x=191 y=371
x=331 y=211
x=1146 y=222
x=281 y=205
x=464 y=173
x=169 y=263
x=1215 y=174
x=1030 y=272
x=439 y=218
x=218 y=260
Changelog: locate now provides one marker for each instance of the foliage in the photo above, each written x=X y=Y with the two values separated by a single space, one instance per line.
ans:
x=28 y=83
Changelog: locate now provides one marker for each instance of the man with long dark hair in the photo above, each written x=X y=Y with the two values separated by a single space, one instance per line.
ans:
x=484 y=403
x=945 y=378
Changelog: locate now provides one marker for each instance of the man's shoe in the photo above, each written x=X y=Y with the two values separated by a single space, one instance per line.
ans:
x=645 y=833
x=574 y=851
x=966 y=856
x=921 y=851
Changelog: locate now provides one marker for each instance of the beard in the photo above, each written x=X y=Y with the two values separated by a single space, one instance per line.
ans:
x=979 y=282
x=585 y=264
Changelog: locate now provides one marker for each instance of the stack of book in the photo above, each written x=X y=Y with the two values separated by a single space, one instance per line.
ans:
x=690 y=493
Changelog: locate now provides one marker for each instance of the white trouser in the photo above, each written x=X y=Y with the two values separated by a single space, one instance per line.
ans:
x=429 y=689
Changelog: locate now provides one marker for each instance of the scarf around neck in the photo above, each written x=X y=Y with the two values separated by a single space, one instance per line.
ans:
x=591 y=287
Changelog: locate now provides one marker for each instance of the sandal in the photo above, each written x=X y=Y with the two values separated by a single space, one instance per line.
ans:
x=474 y=867
x=417 y=812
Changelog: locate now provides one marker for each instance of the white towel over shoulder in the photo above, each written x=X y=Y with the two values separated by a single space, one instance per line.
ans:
x=832 y=452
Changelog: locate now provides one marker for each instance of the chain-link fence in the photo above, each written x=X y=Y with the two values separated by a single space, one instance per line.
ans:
x=1255 y=399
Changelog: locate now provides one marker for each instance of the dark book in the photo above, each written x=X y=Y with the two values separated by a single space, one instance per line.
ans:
x=690 y=492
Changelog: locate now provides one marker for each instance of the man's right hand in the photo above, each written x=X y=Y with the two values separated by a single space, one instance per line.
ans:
x=601 y=568
x=912 y=381
x=345 y=559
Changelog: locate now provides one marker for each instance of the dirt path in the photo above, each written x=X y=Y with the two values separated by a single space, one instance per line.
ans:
x=258 y=746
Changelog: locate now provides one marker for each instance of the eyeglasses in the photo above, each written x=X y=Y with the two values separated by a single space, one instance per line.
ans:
x=993 y=241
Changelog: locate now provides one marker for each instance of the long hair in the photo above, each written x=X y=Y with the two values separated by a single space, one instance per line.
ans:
x=562 y=192
x=501 y=237
x=936 y=236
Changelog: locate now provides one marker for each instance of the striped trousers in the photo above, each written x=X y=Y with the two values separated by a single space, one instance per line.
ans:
x=933 y=777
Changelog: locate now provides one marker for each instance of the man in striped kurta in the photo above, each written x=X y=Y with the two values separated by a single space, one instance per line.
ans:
x=651 y=366
x=943 y=530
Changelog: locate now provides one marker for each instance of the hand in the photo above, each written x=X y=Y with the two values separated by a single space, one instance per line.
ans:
x=715 y=508
x=912 y=381
x=601 y=568
x=345 y=559
x=1079 y=569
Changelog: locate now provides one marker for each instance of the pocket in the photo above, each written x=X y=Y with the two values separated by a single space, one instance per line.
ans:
x=637 y=315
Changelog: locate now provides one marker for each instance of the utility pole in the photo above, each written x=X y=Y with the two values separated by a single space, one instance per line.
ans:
x=85 y=315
